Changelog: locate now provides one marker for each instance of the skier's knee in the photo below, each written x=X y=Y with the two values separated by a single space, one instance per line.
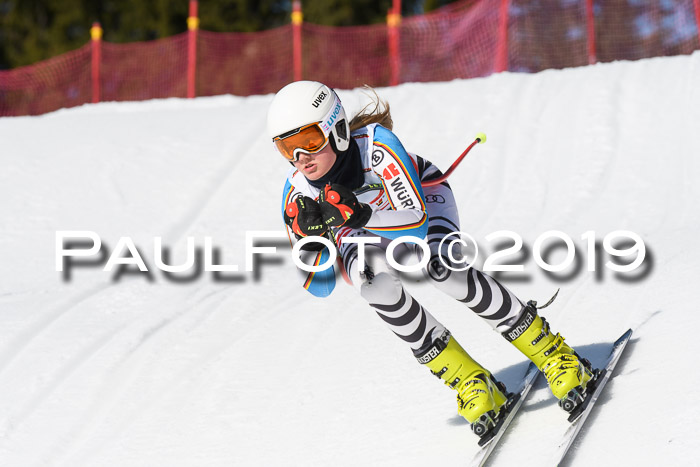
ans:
x=382 y=289
x=448 y=280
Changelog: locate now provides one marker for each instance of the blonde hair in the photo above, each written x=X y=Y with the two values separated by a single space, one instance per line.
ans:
x=377 y=111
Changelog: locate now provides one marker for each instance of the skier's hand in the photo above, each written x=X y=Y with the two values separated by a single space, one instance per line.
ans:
x=339 y=206
x=303 y=216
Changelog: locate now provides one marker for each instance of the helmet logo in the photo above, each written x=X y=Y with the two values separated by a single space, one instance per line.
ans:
x=326 y=126
x=319 y=99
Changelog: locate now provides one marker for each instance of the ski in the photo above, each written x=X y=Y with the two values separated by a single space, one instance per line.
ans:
x=579 y=414
x=489 y=441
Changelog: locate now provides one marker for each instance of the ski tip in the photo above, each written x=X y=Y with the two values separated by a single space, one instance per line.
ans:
x=624 y=337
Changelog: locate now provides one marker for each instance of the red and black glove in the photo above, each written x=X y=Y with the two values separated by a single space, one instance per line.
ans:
x=339 y=206
x=303 y=216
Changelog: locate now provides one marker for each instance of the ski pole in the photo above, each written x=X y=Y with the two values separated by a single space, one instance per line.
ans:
x=480 y=138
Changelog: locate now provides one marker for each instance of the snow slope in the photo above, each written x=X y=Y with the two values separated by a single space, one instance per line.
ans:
x=248 y=369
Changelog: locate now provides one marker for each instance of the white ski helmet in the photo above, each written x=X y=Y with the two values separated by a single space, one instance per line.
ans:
x=305 y=116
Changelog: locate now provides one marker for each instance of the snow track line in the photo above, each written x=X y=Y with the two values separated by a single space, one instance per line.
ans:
x=198 y=205
x=121 y=380
x=25 y=338
x=117 y=382
x=75 y=363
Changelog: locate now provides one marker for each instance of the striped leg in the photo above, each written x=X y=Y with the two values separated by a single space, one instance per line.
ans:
x=405 y=316
x=479 y=396
x=488 y=298
x=380 y=286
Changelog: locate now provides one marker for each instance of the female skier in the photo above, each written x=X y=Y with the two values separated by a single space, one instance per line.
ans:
x=353 y=181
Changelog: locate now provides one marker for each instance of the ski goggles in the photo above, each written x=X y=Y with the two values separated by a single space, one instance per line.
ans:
x=308 y=138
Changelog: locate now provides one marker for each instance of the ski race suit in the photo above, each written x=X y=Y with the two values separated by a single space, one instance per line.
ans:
x=402 y=207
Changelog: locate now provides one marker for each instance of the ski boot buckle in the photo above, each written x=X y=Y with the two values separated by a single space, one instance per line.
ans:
x=573 y=399
x=485 y=423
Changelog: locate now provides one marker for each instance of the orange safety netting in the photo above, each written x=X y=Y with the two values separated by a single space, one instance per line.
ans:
x=461 y=40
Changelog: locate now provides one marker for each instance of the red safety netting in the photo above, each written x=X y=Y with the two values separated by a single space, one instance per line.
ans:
x=346 y=57
x=636 y=30
x=243 y=63
x=62 y=81
x=466 y=39
x=536 y=42
x=457 y=41
x=553 y=34
x=144 y=70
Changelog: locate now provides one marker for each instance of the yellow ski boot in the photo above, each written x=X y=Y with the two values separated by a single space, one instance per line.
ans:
x=479 y=396
x=567 y=374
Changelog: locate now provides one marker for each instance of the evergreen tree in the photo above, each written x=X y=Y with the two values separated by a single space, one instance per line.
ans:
x=243 y=15
x=34 y=30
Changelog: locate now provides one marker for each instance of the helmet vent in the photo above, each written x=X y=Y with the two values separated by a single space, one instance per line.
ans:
x=341 y=130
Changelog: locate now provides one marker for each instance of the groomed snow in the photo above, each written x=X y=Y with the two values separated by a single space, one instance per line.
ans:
x=141 y=370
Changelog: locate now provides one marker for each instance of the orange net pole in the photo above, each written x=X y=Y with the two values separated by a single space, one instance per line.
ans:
x=192 y=27
x=297 y=20
x=96 y=48
x=590 y=23
x=696 y=5
x=393 y=21
x=502 y=49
